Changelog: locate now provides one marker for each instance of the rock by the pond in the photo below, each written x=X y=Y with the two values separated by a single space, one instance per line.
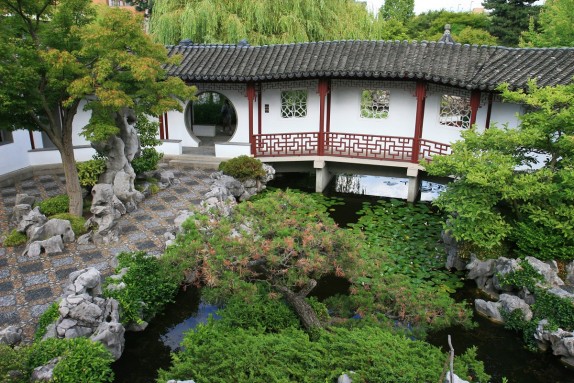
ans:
x=53 y=245
x=88 y=280
x=548 y=270
x=453 y=260
x=111 y=335
x=11 y=335
x=506 y=303
x=51 y=228
x=44 y=373
x=502 y=267
x=106 y=209
x=570 y=273
x=561 y=342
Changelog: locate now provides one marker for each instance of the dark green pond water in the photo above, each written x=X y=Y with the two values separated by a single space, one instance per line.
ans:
x=501 y=350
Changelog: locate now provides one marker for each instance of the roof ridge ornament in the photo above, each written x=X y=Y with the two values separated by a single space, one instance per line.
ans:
x=446 y=37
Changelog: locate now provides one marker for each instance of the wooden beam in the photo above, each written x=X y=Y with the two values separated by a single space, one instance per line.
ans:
x=250 y=98
x=421 y=94
x=474 y=105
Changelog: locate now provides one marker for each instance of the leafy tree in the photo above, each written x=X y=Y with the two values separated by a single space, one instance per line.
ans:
x=516 y=185
x=54 y=55
x=266 y=21
x=401 y=10
x=466 y=27
x=555 y=26
x=510 y=18
x=285 y=240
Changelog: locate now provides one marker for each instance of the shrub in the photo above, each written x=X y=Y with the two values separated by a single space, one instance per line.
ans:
x=76 y=222
x=15 y=238
x=90 y=171
x=82 y=360
x=12 y=360
x=54 y=205
x=147 y=160
x=150 y=285
x=216 y=355
x=243 y=168
x=48 y=317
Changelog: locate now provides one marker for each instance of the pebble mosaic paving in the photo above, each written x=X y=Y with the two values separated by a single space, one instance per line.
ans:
x=29 y=285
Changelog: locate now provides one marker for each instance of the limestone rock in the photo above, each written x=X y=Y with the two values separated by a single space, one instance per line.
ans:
x=570 y=273
x=106 y=209
x=506 y=303
x=504 y=266
x=44 y=373
x=19 y=212
x=125 y=191
x=182 y=216
x=455 y=378
x=344 y=379
x=549 y=271
x=51 y=228
x=111 y=335
x=31 y=220
x=11 y=335
x=509 y=303
x=491 y=310
x=53 y=245
x=561 y=293
x=25 y=199
x=87 y=280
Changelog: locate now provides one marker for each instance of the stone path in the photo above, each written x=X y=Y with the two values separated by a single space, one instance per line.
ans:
x=28 y=285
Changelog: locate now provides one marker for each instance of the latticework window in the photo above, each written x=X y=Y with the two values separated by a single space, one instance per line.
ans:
x=375 y=103
x=455 y=111
x=293 y=103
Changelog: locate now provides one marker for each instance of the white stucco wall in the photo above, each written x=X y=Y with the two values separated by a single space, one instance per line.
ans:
x=15 y=155
x=505 y=113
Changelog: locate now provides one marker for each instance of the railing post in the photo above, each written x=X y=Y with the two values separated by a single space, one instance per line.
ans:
x=421 y=93
x=250 y=98
x=323 y=88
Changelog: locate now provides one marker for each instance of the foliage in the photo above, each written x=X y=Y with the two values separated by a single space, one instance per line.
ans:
x=372 y=354
x=267 y=21
x=555 y=26
x=263 y=311
x=149 y=157
x=12 y=360
x=516 y=185
x=466 y=27
x=15 y=238
x=83 y=361
x=401 y=10
x=48 y=317
x=526 y=276
x=56 y=55
x=54 y=205
x=404 y=276
x=510 y=18
x=558 y=311
x=243 y=168
x=148 y=160
x=90 y=171
x=468 y=363
x=76 y=222
x=150 y=285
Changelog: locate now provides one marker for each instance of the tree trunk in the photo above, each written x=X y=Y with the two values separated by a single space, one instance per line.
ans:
x=304 y=311
x=73 y=188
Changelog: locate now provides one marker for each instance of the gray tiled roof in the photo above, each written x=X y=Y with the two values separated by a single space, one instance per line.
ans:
x=467 y=66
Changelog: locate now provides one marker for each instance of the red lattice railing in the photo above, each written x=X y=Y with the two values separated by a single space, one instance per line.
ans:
x=345 y=145
x=286 y=144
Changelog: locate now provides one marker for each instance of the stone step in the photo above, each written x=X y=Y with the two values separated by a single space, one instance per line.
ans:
x=194 y=161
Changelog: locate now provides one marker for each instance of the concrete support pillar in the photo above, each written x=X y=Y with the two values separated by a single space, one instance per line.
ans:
x=414 y=192
x=322 y=176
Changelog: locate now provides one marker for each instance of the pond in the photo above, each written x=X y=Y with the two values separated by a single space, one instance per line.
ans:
x=501 y=350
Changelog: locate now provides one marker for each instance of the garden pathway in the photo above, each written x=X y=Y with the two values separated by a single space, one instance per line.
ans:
x=28 y=285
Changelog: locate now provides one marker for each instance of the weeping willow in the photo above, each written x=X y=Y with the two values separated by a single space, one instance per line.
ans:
x=266 y=21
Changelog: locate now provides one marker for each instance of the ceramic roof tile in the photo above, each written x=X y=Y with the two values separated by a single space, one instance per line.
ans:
x=473 y=67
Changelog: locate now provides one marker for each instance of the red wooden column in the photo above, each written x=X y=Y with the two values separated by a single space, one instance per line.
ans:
x=474 y=104
x=166 y=126
x=32 y=144
x=488 y=111
x=328 y=127
x=323 y=89
x=259 y=113
x=421 y=94
x=250 y=99
x=161 y=130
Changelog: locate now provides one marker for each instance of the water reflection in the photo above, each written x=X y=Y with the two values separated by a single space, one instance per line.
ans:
x=391 y=187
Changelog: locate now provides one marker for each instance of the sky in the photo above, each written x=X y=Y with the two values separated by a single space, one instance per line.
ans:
x=434 y=5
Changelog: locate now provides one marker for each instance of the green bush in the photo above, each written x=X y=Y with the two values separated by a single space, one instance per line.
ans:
x=12 y=360
x=54 y=205
x=48 y=317
x=90 y=171
x=243 y=168
x=15 y=238
x=542 y=241
x=150 y=285
x=216 y=354
x=76 y=222
x=83 y=361
x=147 y=160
